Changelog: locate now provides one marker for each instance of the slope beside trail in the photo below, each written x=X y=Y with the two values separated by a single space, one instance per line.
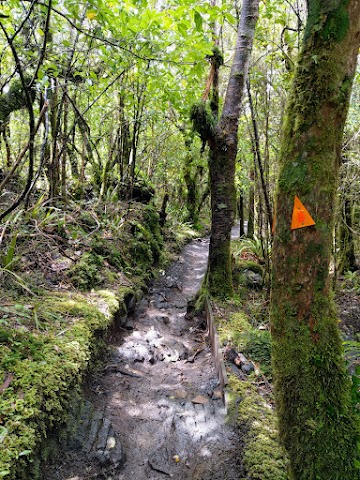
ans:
x=159 y=392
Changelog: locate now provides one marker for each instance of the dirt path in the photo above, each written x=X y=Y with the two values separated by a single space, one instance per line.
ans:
x=160 y=392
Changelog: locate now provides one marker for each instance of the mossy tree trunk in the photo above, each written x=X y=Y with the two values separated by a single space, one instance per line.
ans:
x=223 y=150
x=312 y=386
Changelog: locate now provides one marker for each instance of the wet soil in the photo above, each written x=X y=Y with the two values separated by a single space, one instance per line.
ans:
x=158 y=395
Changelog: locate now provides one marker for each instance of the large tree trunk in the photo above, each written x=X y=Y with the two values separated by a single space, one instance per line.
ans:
x=223 y=149
x=312 y=385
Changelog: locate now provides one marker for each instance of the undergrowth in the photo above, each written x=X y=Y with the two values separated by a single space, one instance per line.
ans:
x=243 y=327
x=263 y=458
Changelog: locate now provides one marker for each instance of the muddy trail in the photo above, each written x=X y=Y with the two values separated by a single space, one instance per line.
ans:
x=156 y=411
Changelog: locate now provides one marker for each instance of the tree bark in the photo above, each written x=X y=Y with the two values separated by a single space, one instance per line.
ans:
x=223 y=149
x=312 y=386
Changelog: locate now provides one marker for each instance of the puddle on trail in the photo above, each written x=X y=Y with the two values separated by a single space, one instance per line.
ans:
x=159 y=394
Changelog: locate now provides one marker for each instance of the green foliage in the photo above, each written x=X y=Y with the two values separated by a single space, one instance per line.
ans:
x=258 y=348
x=244 y=246
x=8 y=259
x=352 y=281
x=245 y=338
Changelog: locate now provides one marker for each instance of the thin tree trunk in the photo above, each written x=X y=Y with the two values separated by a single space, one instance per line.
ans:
x=347 y=260
x=53 y=168
x=223 y=150
x=6 y=137
x=64 y=149
x=258 y=158
x=241 y=215
x=312 y=386
x=347 y=246
x=251 y=213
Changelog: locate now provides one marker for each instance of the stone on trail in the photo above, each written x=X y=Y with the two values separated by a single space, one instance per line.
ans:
x=182 y=394
x=200 y=399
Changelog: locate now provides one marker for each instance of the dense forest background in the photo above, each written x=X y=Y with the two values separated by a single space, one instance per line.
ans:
x=104 y=91
x=110 y=112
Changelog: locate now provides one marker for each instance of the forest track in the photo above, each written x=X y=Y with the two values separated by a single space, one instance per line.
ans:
x=160 y=393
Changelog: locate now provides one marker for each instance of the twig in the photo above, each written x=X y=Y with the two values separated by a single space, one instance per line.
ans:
x=191 y=359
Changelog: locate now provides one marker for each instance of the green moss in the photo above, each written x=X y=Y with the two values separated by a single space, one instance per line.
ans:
x=202 y=120
x=242 y=265
x=86 y=274
x=330 y=18
x=293 y=175
x=263 y=458
x=47 y=368
x=337 y=23
x=108 y=250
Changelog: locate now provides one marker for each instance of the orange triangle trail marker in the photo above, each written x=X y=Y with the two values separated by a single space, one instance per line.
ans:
x=300 y=217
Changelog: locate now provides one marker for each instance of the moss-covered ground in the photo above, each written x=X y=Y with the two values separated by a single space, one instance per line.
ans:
x=243 y=326
x=250 y=398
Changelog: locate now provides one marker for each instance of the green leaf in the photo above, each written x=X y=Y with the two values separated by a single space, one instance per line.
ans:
x=9 y=257
x=198 y=21
x=24 y=452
